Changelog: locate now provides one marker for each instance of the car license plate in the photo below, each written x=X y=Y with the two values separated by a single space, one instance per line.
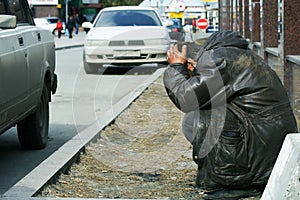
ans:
x=122 y=54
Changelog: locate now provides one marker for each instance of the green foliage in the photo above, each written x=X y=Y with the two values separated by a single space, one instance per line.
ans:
x=109 y=3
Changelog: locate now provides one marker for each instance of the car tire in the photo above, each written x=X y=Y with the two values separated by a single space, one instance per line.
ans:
x=93 y=69
x=162 y=65
x=33 y=130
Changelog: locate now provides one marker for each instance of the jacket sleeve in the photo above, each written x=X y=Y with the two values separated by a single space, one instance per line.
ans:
x=202 y=90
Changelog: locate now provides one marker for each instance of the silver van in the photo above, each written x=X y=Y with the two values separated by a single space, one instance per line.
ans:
x=27 y=77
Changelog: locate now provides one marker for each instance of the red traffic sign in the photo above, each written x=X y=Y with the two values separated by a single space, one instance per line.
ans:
x=202 y=23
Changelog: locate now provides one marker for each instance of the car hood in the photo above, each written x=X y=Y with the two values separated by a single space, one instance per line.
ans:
x=127 y=33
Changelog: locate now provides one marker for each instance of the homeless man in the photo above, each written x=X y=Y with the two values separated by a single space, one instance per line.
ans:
x=237 y=112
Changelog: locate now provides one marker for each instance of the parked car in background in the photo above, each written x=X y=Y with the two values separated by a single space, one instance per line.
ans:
x=126 y=35
x=48 y=23
x=212 y=28
x=27 y=74
x=176 y=31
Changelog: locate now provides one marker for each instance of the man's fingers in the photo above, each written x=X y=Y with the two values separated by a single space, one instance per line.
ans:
x=174 y=55
x=184 y=50
x=192 y=61
x=171 y=50
x=175 y=47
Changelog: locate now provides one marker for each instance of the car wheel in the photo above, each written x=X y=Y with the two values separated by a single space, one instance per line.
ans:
x=33 y=130
x=93 y=69
x=162 y=65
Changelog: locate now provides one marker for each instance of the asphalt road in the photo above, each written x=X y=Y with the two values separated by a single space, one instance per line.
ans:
x=79 y=101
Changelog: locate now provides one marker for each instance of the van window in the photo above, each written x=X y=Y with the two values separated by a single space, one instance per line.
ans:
x=19 y=8
x=2 y=7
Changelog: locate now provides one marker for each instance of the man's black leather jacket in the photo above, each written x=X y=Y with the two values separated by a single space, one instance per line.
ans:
x=242 y=112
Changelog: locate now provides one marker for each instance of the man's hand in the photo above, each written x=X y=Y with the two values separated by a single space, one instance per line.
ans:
x=174 y=56
x=191 y=64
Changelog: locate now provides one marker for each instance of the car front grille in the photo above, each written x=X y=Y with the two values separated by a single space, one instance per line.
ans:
x=141 y=57
x=126 y=43
x=135 y=43
x=117 y=43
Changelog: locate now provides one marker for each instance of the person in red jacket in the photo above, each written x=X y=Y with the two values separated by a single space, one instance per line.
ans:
x=59 y=28
x=194 y=25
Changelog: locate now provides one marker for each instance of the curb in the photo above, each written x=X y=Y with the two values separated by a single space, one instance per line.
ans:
x=67 y=154
x=68 y=47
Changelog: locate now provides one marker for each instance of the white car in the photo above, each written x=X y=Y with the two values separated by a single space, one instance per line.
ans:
x=126 y=35
x=48 y=23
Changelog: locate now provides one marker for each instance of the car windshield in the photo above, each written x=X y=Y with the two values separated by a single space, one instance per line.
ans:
x=128 y=18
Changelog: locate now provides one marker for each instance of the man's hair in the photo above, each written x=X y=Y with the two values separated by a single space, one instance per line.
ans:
x=192 y=47
x=219 y=39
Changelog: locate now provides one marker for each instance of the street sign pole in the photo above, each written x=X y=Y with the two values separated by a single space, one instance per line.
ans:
x=162 y=12
x=67 y=18
x=67 y=15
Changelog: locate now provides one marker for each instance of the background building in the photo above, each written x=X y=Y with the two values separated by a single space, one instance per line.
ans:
x=58 y=8
x=187 y=10
x=44 y=8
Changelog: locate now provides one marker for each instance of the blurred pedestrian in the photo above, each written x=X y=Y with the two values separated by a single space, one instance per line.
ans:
x=194 y=25
x=59 y=28
x=77 y=24
x=70 y=26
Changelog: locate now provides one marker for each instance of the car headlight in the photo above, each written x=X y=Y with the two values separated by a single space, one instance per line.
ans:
x=161 y=41
x=96 y=43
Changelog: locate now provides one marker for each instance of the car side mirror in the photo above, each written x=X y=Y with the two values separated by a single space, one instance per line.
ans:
x=8 y=21
x=167 y=23
x=87 y=25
